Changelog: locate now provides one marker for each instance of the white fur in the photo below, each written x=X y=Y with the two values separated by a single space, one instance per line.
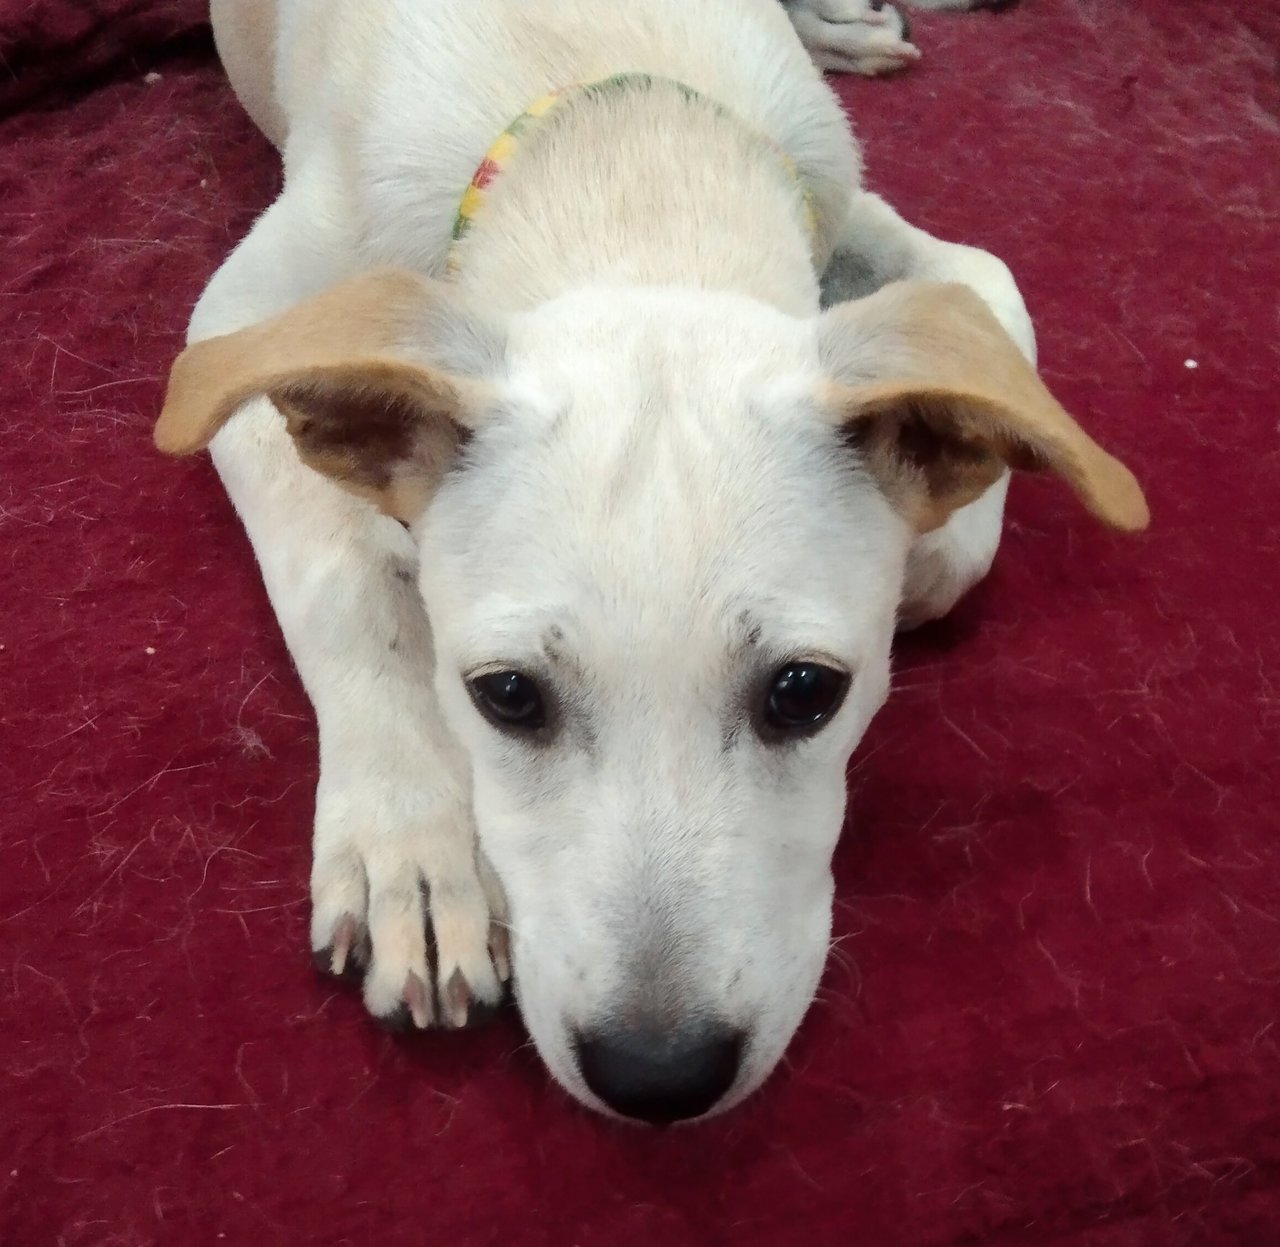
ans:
x=657 y=488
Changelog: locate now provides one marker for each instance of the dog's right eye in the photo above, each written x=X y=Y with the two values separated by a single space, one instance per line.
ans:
x=803 y=697
x=508 y=699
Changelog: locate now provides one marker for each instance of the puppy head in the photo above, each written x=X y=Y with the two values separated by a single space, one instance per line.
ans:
x=662 y=543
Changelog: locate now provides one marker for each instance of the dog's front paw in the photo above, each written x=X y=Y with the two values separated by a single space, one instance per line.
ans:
x=854 y=36
x=401 y=897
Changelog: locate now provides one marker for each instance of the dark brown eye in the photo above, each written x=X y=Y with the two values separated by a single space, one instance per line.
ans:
x=803 y=696
x=508 y=699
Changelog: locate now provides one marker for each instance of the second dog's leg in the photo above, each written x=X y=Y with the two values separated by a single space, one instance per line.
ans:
x=853 y=36
x=394 y=834
x=962 y=6
x=877 y=246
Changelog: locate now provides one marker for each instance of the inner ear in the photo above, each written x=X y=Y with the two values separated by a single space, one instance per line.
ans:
x=929 y=458
x=383 y=430
x=940 y=403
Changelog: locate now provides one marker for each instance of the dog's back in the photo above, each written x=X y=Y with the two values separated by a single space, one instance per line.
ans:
x=412 y=92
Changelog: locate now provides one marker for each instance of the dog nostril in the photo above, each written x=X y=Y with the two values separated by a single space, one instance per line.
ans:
x=661 y=1078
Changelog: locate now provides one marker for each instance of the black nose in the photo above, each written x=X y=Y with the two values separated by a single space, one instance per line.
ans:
x=660 y=1077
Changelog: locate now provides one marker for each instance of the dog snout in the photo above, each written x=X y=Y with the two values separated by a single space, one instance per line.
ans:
x=661 y=1077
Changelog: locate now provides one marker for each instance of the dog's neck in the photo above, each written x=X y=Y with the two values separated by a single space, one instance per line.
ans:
x=649 y=184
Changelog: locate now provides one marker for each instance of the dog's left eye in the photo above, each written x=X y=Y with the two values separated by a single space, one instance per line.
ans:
x=803 y=696
x=508 y=699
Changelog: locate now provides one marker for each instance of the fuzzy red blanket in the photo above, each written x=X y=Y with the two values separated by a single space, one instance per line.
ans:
x=1052 y=1015
x=49 y=45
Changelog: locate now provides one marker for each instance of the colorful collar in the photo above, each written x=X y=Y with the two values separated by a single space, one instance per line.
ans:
x=499 y=155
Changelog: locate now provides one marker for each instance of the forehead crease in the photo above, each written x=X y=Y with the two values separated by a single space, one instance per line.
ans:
x=627 y=476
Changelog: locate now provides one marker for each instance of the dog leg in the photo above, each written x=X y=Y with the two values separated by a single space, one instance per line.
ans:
x=962 y=6
x=853 y=36
x=876 y=247
x=394 y=835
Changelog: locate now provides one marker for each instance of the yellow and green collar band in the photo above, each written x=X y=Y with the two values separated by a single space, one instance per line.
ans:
x=499 y=155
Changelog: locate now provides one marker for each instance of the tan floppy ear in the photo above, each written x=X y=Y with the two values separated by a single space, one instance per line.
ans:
x=374 y=421
x=939 y=400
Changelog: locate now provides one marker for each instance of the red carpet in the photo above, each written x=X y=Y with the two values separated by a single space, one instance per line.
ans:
x=1053 y=1015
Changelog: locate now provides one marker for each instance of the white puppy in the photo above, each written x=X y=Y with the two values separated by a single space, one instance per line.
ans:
x=663 y=509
